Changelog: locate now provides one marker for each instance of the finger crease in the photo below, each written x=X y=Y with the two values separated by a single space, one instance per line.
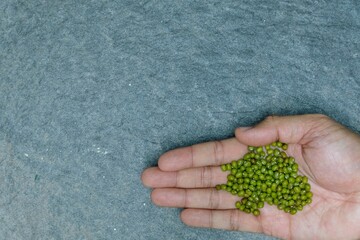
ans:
x=176 y=179
x=202 y=177
x=206 y=177
x=218 y=152
x=185 y=198
x=214 y=199
x=192 y=155
x=234 y=220
x=211 y=219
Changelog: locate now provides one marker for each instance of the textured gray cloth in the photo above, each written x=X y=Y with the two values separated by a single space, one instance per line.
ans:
x=93 y=92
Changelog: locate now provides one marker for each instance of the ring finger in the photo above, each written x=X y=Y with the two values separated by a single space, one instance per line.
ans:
x=193 y=198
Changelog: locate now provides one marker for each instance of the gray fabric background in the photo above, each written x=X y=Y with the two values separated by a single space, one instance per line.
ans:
x=93 y=92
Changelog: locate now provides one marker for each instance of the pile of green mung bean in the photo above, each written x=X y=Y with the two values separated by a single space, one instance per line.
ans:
x=267 y=174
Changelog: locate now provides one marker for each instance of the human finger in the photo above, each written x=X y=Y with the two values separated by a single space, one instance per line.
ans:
x=202 y=177
x=234 y=219
x=208 y=198
x=289 y=129
x=205 y=154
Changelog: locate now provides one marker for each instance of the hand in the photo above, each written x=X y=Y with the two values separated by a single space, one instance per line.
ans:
x=327 y=153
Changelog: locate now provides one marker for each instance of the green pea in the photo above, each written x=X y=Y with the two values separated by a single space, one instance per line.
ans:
x=252 y=187
x=247 y=164
x=276 y=152
x=281 y=177
x=233 y=164
x=291 y=180
x=238 y=175
x=291 y=160
x=273 y=195
x=274 y=168
x=283 y=154
x=248 y=192
x=241 y=193
x=285 y=183
x=295 y=167
x=256 y=212
x=293 y=211
x=295 y=196
x=228 y=167
x=299 y=179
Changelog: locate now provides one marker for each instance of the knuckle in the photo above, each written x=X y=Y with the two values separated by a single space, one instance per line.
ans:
x=211 y=219
x=234 y=220
x=214 y=199
x=186 y=199
x=322 y=117
x=271 y=118
x=218 y=152
x=205 y=177
x=179 y=179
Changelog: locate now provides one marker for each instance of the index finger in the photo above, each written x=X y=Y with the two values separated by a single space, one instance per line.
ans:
x=212 y=153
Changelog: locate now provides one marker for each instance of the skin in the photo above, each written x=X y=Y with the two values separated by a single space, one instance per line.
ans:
x=327 y=153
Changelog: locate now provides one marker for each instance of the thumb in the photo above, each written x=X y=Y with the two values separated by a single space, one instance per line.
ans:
x=289 y=129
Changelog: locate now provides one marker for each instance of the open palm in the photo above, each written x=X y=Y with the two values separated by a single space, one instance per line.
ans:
x=326 y=152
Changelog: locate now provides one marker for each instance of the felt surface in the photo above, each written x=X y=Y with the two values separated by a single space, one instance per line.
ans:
x=93 y=92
